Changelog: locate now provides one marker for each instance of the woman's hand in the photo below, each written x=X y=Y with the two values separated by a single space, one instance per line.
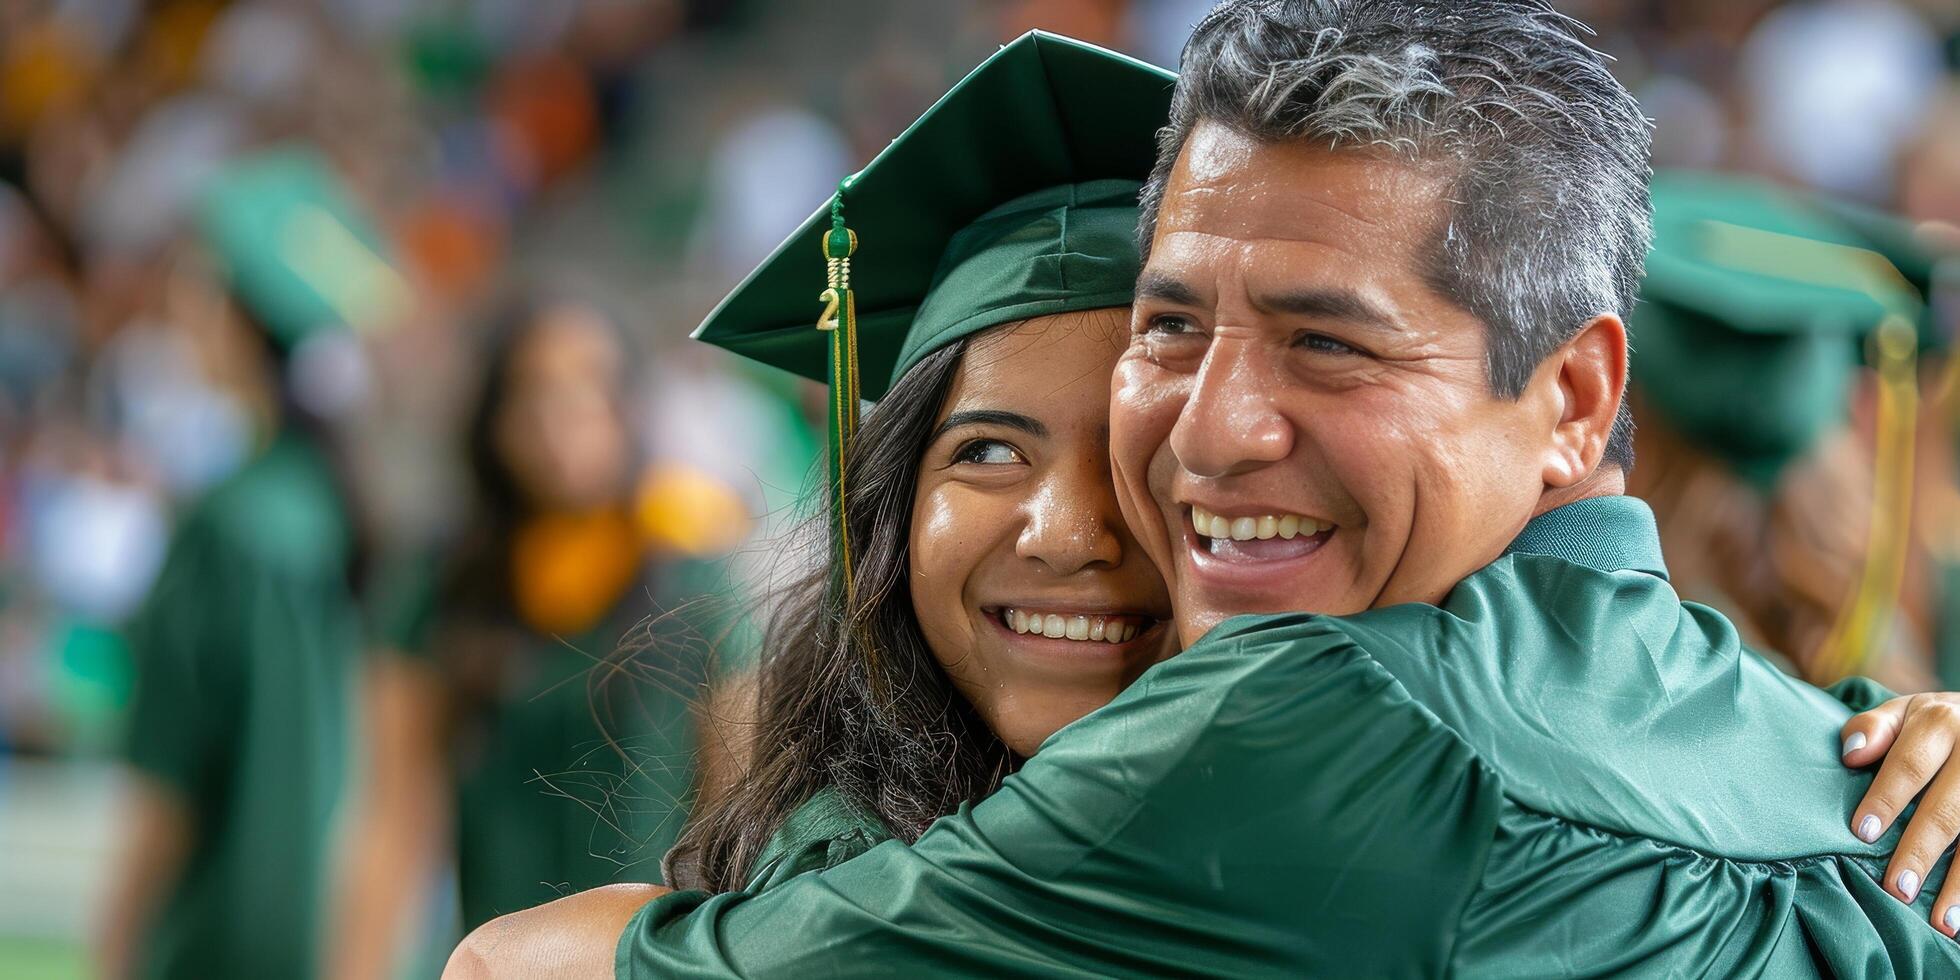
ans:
x=1917 y=736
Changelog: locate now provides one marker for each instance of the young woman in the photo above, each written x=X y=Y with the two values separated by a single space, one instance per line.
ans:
x=999 y=597
x=994 y=594
x=497 y=741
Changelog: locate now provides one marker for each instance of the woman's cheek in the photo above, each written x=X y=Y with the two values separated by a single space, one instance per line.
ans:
x=943 y=559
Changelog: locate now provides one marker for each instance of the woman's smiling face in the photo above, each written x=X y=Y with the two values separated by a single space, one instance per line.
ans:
x=1025 y=580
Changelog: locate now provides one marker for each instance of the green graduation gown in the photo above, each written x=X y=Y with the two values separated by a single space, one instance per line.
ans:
x=824 y=832
x=243 y=652
x=1563 y=770
x=577 y=770
x=567 y=786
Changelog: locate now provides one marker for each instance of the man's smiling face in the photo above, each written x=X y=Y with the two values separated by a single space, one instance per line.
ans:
x=1302 y=421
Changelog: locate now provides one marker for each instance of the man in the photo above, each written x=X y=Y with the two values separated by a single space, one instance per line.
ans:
x=1390 y=246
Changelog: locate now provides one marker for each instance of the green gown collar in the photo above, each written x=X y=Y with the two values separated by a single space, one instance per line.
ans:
x=824 y=831
x=1610 y=534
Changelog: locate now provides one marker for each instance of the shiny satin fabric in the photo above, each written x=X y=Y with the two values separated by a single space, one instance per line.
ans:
x=1564 y=770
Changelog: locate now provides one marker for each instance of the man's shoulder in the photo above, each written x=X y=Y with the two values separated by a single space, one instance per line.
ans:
x=1603 y=699
x=1277 y=700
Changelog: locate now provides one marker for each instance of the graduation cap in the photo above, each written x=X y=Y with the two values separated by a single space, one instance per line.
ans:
x=1752 y=317
x=1755 y=310
x=1927 y=255
x=295 y=250
x=1013 y=196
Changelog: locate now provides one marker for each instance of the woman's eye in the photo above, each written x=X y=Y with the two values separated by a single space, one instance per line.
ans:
x=1171 y=323
x=988 y=452
x=1320 y=343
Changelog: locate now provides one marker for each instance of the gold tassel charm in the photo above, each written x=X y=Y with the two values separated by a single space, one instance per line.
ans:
x=839 y=320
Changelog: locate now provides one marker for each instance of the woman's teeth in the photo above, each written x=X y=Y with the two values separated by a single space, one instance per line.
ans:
x=1263 y=527
x=1064 y=626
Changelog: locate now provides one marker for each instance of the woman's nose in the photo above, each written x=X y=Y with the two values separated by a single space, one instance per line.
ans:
x=1072 y=521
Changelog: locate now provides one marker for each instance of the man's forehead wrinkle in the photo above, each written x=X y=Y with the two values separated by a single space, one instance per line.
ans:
x=1253 y=210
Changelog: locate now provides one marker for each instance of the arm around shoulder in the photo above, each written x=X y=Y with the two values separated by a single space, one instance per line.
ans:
x=570 y=939
x=1271 y=802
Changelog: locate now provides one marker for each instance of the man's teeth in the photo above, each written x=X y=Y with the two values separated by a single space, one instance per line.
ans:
x=1097 y=629
x=1288 y=526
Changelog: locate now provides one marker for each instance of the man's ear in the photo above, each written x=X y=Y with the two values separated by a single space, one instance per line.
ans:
x=1590 y=375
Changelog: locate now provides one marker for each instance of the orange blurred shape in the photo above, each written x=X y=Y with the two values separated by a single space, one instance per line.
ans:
x=174 y=38
x=43 y=70
x=546 y=109
x=454 y=247
x=1095 y=21
x=680 y=508
x=569 y=570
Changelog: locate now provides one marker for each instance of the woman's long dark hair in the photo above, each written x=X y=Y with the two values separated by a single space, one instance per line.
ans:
x=850 y=697
x=477 y=627
x=476 y=582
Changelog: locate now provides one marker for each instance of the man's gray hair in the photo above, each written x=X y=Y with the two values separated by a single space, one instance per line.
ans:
x=1548 y=218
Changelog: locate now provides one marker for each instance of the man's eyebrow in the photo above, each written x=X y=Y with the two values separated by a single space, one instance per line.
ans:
x=1160 y=286
x=990 y=416
x=1331 y=304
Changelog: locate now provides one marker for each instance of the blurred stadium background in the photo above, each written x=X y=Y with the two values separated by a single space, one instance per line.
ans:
x=642 y=154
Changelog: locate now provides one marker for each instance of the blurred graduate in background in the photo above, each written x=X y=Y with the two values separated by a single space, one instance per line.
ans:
x=1795 y=425
x=532 y=702
x=243 y=652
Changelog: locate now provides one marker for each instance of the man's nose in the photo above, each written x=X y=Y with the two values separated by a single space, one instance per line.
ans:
x=1073 y=521
x=1230 y=424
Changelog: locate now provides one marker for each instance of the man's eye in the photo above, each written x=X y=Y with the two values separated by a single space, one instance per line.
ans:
x=1171 y=323
x=989 y=452
x=1320 y=343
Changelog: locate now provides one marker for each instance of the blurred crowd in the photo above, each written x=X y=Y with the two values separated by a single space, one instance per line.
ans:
x=556 y=194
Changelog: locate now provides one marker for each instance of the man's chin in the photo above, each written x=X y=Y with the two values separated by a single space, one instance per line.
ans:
x=1192 y=627
x=1198 y=615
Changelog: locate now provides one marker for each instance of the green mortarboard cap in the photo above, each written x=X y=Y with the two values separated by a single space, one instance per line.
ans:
x=1929 y=263
x=1014 y=196
x=298 y=255
x=1751 y=316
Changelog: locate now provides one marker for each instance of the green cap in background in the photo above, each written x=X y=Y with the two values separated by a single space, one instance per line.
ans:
x=1752 y=317
x=296 y=252
x=1930 y=264
x=1014 y=196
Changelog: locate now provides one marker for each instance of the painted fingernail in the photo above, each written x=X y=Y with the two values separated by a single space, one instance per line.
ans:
x=1868 y=828
x=1951 y=919
x=1909 y=884
x=1852 y=743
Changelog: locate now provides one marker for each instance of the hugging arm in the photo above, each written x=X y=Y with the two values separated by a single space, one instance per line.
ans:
x=1916 y=738
x=1241 y=809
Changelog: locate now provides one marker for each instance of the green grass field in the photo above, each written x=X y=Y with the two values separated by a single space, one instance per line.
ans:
x=41 y=959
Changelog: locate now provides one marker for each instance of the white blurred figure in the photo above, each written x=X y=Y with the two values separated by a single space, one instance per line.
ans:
x=95 y=544
x=1157 y=29
x=261 y=53
x=1833 y=88
x=762 y=176
x=143 y=198
x=1690 y=130
x=189 y=432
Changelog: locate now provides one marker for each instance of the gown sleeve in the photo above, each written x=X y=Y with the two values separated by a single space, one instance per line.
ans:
x=185 y=659
x=1860 y=693
x=1270 y=801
